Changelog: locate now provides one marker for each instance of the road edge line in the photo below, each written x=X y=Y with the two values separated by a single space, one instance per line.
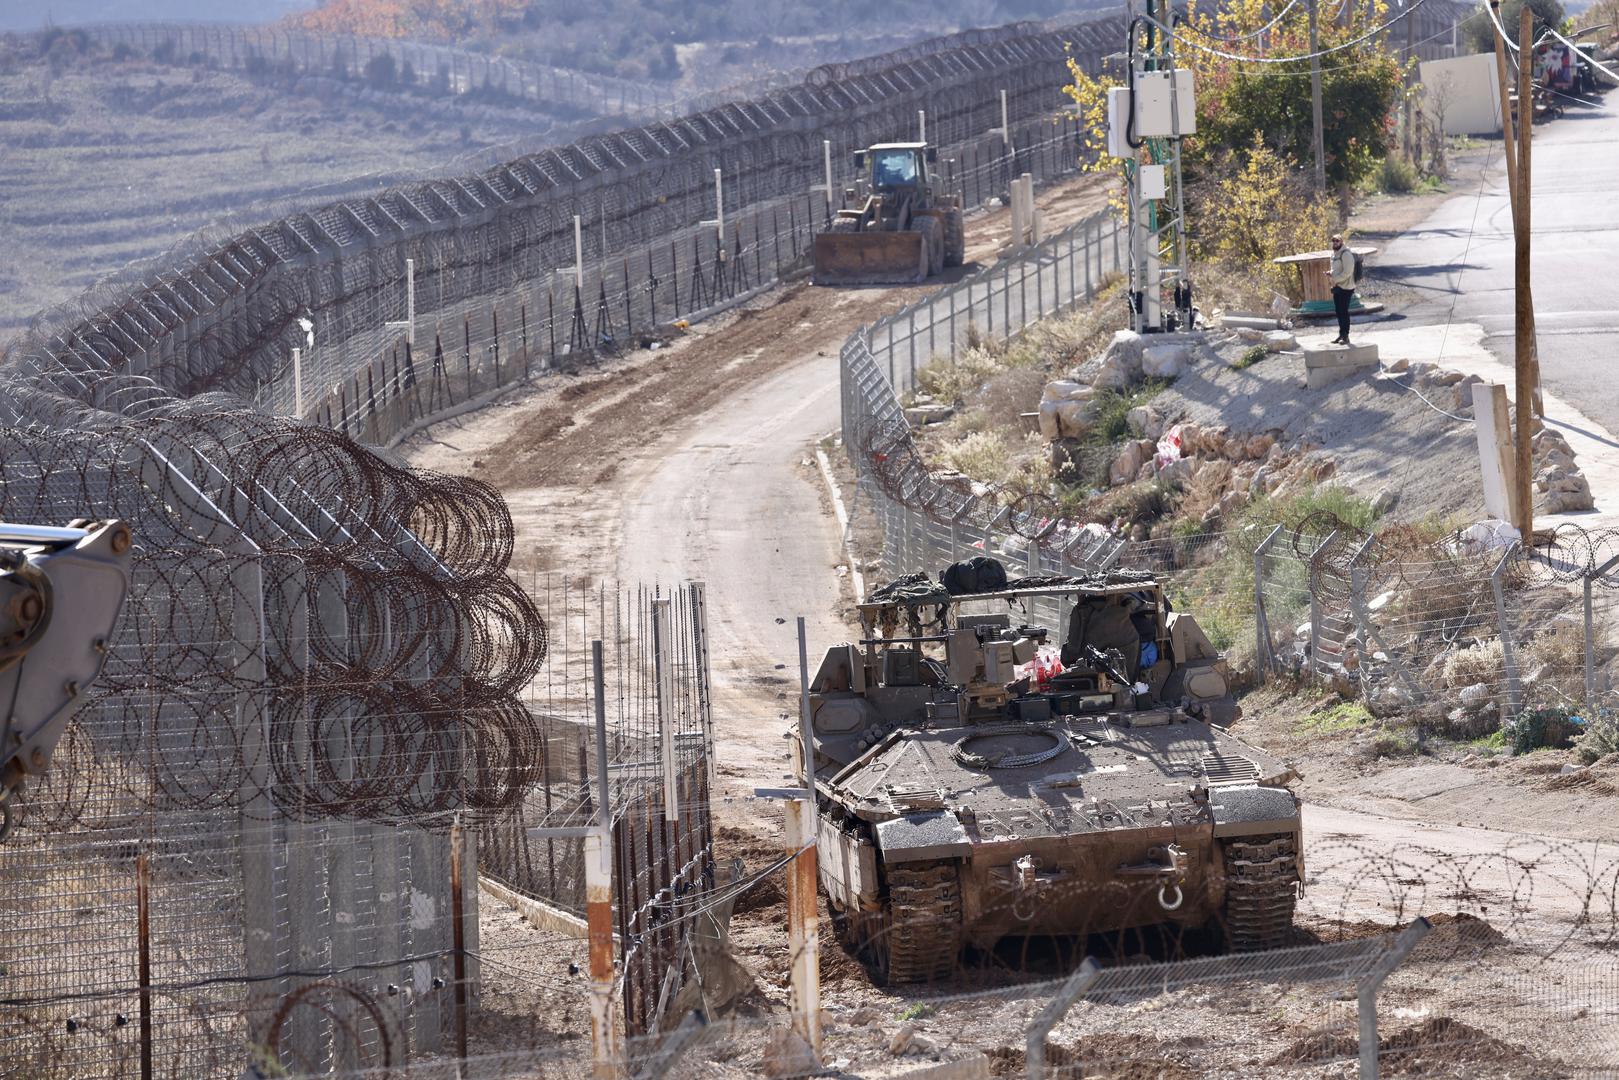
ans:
x=845 y=533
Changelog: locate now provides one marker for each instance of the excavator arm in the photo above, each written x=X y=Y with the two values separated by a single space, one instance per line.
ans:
x=61 y=591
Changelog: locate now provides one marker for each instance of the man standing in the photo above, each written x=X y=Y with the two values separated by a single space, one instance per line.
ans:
x=1343 y=286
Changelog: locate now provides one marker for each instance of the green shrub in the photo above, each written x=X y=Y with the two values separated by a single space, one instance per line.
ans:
x=1535 y=729
x=1251 y=357
x=1398 y=176
x=1344 y=716
x=1393 y=742
x=1600 y=738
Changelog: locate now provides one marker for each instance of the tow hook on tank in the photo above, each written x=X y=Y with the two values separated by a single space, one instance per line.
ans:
x=1028 y=884
x=1170 y=866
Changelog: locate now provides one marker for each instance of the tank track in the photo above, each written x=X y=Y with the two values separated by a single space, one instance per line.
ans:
x=918 y=937
x=1262 y=875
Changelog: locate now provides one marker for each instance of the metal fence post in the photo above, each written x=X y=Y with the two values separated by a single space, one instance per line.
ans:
x=662 y=635
x=1590 y=652
x=599 y=893
x=1262 y=640
x=803 y=930
x=910 y=341
x=1035 y=1042
x=1315 y=602
x=1367 y=989
x=1508 y=659
x=1590 y=636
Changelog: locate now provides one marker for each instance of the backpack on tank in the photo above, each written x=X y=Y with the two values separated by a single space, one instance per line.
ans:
x=978 y=574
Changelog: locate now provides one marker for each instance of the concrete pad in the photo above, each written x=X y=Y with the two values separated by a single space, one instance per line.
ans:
x=1325 y=362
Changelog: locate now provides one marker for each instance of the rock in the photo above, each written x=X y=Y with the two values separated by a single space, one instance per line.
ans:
x=1569 y=502
x=1074 y=418
x=1259 y=446
x=1232 y=501
x=1127 y=346
x=1420 y=370
x=1111 y=375
x=1050 y=427
x=1400 y=366
x=1164 y=361
x=787 y=1054
x=902 y=1040
x=1124 y=467
x=1550 y=439
x=1462 y=393
x=1063 y=389
x=1344 y=685
x=1556 y=456
x=1191 y=438
x=1148 y=470
x=1178 y=471
x=863 y=1016
x=1250 y=335
x=1144 y=421
x=1384 y=501
x=1474 y=696
x=1572 y=482
x=1570 y=769
x=1389 y=700
x=1446 y=377
x=923 y=415
x=1279 y=340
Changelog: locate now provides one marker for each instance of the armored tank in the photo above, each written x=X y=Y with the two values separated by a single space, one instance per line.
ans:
x=981 y=775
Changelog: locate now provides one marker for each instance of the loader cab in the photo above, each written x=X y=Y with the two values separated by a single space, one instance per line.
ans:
x=896 y=166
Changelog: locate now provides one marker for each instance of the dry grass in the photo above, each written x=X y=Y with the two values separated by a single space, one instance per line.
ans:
x=1480 y=663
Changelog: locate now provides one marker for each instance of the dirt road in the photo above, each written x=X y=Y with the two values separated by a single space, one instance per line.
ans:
x=695 y=461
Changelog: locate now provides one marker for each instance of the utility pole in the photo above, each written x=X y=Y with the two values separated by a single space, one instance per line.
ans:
x=1413 y=142
x=1315 y=102
x=1507 y=138
x=1524 y=323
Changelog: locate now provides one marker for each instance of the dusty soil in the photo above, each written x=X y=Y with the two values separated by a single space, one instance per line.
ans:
x=1446 y=782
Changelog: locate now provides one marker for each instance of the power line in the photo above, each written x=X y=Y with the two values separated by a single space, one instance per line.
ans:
x=1232 y=39
x=1367 y=36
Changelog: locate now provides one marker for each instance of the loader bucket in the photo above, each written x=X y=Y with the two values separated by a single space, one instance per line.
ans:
x=870 y=258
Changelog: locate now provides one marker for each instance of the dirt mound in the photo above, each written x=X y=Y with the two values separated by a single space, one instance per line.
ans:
x=1463 y=928
x=1319 y=1044
x=1106 y=1057
x=1442 y=1046
x=1439 y=1046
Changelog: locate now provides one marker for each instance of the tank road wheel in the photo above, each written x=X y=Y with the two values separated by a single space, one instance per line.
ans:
x=917 y=936
x=1262 y=875
x=933 y=238
x=955 y=237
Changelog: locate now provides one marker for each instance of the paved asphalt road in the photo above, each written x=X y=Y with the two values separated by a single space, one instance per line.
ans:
x=1461 y=259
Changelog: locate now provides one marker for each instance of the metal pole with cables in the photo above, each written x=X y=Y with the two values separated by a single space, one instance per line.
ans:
x=599 y=894
x=803 y=930
x=1317 y=139
x=1524 y=307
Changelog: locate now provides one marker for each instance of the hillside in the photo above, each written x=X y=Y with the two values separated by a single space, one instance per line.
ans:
x=108 y=162
x=698 y=44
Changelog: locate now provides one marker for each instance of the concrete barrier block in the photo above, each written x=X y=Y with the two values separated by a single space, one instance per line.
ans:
x=1324 y=364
